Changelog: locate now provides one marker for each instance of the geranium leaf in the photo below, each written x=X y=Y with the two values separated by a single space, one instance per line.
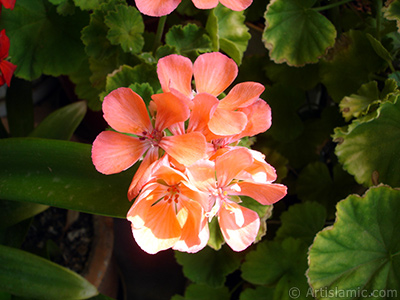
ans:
x=295 y=33
x=259 y=293
x=302 y=221
x=392 y=12
x=201 y=291
x=360 y=252
x=42 y=41
x=89 y=4
x=27 y=275
x=349 y=65
x=279 y=264
x=368 y=149
x=127 y=75
x=216 y=238
x=189 y=40
x=380 y=50
x=316 y=183
x=209 y=266
x=126 y=28
x=60 y=174
x=284 y=102
x=228 y=32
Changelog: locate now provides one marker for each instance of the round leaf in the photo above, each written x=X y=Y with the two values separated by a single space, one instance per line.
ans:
x=126 y=28
x=369 y=149
x=360 y=252
x=209 y=266
x=295 y=33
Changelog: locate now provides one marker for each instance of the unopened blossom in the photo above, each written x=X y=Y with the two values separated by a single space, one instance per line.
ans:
x=6 y=68
x=168 y=214
x=135 y=135
x=158 y=8
x=213 y=73
x=236 y=173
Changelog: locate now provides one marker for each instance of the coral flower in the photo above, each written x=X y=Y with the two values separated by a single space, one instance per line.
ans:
x=6 y=68
x=227 y=178
x=213 y=73
x=158 y=8
x=167 y=213
x=9 y=4
x=135 y=135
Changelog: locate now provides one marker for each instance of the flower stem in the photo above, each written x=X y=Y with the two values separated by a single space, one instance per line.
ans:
x=329 y=6
x=159 y=33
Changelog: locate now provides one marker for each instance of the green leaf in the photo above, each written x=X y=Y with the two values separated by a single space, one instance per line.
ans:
x=127 y=75
x=27 y=275
x=279 y=264
x=302 y=221
x=360 y=252
x=285 y=102
x=13 y=212
x=14 y=235
x=367 y=97
x=201 y=292
x=19 y=95
x=259 y=293
x=61 y=174
x=228 y=32
x=295 y=33
x=209 y=266
x=380 y=50
x=126 y=28
x=392 y=12
x=318 y=184
x=369 y=149
x=144 y=90
x=89 y=4
x=189 y=40
x=62 y=123
x=349 y=65
x=42 y=41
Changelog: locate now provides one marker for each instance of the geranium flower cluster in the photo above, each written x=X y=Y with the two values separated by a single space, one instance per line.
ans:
x=158 y=8
x=192 y=168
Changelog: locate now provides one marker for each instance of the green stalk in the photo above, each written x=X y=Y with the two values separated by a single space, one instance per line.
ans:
x=378 y=13
x=329 y=6
x=159 y=33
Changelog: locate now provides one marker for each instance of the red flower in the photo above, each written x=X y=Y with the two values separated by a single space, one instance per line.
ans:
x=9 y=4
x=6 y=68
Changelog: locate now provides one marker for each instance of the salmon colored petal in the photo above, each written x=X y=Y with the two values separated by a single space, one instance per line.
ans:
x=171 y=109
x=185 y=148
x=260 y=170
x=205 y=4
x=150 y=194
x=202 y=175
x=125 y=111
x=204 y=106
x=230 y=164
x=156 y=8
x=161 y=230
x=143 y=173
x=169 y=175
x=175 y=71
x=242 y=95
x=213 y=73
x=191 y=239
x=113 y=152
x=265 y=193
x=259 y=118
x=237 y=5
x=238 y=237
x=227 y=122
x=190 y=191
